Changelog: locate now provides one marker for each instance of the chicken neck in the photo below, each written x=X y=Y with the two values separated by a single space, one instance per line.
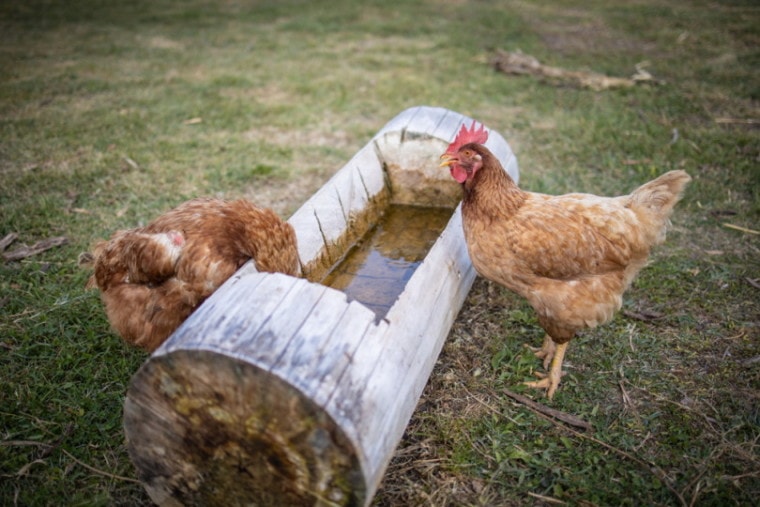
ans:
x=491 y=192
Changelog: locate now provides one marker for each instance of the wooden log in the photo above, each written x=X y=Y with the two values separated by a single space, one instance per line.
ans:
x=281 y=391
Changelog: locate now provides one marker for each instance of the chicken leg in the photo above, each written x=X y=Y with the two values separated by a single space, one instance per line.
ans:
x=551 y=381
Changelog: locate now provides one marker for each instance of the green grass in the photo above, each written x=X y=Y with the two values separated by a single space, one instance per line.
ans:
x=96 y=103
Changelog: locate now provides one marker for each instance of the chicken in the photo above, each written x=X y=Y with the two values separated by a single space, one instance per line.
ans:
x=571 y=256
x=152 y=278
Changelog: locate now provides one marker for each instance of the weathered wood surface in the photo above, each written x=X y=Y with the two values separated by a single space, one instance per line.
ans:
x=278 y=390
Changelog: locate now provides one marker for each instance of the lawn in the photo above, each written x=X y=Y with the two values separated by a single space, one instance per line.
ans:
x=113 y=112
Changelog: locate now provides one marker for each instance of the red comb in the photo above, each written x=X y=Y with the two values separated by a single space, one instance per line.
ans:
x=466 y=136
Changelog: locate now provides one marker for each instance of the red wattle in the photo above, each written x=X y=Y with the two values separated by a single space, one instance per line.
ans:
x=458 y=173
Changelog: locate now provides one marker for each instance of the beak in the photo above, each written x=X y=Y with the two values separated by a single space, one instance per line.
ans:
x=447 y=160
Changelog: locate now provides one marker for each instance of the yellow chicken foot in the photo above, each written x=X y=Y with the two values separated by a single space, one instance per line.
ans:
x=546 y=352
x=551 y=381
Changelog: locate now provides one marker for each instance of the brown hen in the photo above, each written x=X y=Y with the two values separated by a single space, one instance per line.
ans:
x=152 y=278
x=571 y=256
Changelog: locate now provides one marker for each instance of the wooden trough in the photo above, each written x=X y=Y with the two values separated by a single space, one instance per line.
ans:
x=283 y=391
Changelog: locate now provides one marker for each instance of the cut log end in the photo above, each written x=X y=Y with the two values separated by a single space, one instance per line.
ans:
x=207 y=429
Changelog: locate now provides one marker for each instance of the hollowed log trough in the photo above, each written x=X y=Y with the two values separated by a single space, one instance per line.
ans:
x=279 y=390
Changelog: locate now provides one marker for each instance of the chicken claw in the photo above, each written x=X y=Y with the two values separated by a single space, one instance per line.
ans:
x=546 y=352
x=550 y=382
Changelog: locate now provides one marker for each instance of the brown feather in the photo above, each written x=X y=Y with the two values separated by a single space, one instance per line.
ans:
x=152 y=278
x=572 y=256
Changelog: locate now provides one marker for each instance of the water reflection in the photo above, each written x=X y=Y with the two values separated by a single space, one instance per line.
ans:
x=376 y=269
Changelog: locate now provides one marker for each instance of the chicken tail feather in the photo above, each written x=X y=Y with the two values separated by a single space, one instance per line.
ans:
x=661 y=194
x=654 y=201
